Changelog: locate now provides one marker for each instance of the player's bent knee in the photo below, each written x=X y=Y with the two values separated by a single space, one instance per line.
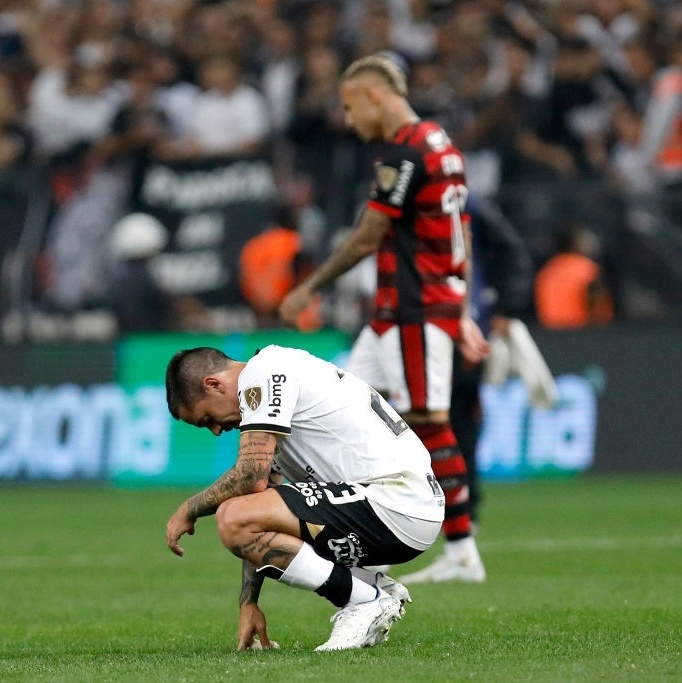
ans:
x=232 y=523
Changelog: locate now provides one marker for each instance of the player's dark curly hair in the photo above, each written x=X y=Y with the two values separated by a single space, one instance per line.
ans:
x=185 y=374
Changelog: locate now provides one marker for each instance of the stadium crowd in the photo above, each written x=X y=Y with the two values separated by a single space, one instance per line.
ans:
x=568 y=112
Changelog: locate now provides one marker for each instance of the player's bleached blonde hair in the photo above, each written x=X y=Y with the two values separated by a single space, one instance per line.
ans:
x=384 y=67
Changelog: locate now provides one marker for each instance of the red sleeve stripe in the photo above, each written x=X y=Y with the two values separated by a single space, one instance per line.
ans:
x=391 y=211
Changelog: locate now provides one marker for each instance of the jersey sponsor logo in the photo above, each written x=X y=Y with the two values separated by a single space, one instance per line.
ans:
x=275 y=393
x=451 y=164
x=435 y=486
x=397 y=197
x=310 y=491
x=386 y=177
x=253 y=396
x=348 y=551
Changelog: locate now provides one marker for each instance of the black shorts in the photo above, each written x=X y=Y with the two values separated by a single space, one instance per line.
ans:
x=339 y=523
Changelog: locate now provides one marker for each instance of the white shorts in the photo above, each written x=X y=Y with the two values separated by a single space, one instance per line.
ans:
x=411 y=364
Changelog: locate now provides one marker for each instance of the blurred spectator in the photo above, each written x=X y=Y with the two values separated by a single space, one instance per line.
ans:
x=50 y=32
x=12 y=40
x=15 y=142
x=271 y=264
x=661 y=147
x=216 y=29
x=641 y=60
x=570 y=291
x=320 y=23
x=607 y=25
x=101 y=34
x=494 y=109
x=159 y=21
x=376 y=32
x=536 y=94
x=280 y=69
x=73 y=106
x=568 y=133
x=137 y=128
x=413 y=31
x=625 y=158
x=229 y=116
x=174 y=90
x=431 y=96
x=318 y=120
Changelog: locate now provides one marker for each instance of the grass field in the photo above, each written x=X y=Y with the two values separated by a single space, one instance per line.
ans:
x=585 y=584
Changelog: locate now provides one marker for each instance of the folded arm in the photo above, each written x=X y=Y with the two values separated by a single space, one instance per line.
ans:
x=250 y=474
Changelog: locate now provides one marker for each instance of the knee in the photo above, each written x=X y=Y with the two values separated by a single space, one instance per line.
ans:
x=231 y=524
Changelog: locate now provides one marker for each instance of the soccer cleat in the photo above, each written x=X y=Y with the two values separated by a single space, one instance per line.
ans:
x=394 y=589
x=459 y=562
x=362 y=625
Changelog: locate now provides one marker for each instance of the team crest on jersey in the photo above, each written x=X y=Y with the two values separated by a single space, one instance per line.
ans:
x=386 y=177
x=253 y=397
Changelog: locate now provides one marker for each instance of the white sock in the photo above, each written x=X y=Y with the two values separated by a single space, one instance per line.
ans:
x=362 y=592
x=307 y=570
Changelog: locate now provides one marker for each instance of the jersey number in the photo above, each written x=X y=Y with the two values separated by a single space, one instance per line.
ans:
x=453 y=200
x=396 y=426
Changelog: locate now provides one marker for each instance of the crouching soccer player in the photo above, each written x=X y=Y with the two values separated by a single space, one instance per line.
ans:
x=360 y=489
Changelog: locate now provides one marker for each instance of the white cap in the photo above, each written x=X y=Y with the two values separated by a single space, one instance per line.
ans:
x=138 y=235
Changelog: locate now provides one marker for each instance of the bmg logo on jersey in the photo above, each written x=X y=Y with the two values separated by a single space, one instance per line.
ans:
x=275 y=393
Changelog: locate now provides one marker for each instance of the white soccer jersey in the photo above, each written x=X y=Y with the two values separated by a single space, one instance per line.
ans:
x=333 y=427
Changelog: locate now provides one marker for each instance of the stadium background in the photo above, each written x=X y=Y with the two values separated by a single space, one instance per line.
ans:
x=98 y=412
x=83 y=400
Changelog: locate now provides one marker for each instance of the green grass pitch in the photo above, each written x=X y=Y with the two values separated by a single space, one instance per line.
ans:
x=585 y=584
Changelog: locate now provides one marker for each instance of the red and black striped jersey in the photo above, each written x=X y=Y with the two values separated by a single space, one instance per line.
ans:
x=419 y=182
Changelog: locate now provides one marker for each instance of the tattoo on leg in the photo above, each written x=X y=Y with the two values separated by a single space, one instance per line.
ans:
x=264 y=549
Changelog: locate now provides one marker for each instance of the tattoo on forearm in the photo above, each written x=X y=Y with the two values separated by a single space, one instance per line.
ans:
x=356 y=247
x=253 y=465
x=265 y=549
x=252 y=583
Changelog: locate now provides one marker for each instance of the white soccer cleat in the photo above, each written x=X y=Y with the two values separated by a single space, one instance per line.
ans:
x=362 y=625
x=459 y=562
x=394 y=589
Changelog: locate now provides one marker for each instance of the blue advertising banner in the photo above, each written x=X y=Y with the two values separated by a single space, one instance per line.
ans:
x=98 y=412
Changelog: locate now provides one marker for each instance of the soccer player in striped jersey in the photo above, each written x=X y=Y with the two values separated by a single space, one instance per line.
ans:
x=414 y=222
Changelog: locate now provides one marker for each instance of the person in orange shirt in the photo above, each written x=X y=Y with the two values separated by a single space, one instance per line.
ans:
x=271 y=264
x=570 y=291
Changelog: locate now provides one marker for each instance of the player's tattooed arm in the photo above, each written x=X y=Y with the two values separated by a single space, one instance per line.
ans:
x=363 y=241
x=252 y=582
x=250 y=474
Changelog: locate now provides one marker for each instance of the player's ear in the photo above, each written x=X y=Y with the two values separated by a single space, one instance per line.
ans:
x=373 y=93
x=212 y=383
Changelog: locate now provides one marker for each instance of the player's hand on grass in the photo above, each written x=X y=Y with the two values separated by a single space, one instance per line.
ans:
x=179 y=524
x=253 y=633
